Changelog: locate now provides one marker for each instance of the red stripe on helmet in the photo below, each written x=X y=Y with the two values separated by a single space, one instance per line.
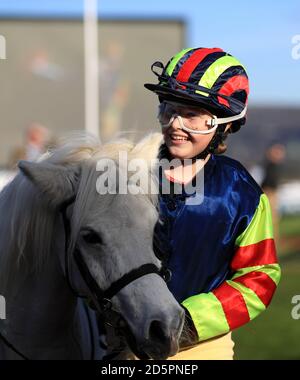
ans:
x=262 y=253
x=233 y=305
x=236 y=83
x=262 y=284
x=192 y=62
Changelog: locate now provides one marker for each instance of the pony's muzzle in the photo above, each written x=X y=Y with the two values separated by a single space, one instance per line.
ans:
x=162 y=338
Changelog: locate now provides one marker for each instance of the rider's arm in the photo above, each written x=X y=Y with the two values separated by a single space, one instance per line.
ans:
x=249 y=290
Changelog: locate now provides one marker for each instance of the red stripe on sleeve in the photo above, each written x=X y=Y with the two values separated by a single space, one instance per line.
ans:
x=260 y=283
x=233 y=304
x=262 y=253
x=193 y=61
x=238 y=82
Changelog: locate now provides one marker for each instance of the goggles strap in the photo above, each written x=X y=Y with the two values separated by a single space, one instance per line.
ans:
x=225 y=120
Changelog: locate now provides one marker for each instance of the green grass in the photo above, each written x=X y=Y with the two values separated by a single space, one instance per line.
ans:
x=275 y=334
x=290 y=226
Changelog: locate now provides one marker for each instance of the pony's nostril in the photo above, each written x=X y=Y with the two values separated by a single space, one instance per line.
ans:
x=156 y=333
x=165 y=344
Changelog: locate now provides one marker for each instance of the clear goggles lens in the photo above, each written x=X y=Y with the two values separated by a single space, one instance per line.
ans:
x=190 y=119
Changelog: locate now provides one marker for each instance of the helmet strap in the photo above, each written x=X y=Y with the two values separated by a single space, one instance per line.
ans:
x=226 y=120
x=218 y=138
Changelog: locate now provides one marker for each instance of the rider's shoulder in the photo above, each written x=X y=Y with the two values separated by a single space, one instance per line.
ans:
x=238 y=173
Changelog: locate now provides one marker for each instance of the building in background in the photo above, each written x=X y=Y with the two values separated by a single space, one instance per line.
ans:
x=42 y=79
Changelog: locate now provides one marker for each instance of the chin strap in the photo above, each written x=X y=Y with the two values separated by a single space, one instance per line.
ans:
x=216 y=140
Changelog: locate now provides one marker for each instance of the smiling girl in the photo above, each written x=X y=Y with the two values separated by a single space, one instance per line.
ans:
x=221 y=252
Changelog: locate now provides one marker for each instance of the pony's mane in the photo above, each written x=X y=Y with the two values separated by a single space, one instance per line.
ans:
x=87 y=148
x=27 y=223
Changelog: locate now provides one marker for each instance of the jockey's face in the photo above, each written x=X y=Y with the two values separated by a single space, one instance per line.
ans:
x=181 y=143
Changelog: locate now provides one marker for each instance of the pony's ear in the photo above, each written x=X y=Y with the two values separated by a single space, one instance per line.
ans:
x=56 y=182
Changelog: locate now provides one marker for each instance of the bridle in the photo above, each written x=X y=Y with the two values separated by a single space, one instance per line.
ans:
x=100 y=299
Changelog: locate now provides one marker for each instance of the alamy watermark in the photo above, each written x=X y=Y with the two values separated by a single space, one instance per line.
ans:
x=296 y=48
x=2 y=308
x=296 y=309
x=2 y=47
x=133 y=177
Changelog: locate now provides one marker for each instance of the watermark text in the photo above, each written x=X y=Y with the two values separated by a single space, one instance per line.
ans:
x=2 y=308
x=153 y=177
x=296 y=309
x=296 y=48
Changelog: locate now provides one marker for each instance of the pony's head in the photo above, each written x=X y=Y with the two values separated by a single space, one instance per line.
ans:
x=109 y=235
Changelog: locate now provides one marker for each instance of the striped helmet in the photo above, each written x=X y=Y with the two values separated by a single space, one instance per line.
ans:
x=208 y=77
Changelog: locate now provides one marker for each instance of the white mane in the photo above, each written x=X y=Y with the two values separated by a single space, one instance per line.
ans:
x=27 y=223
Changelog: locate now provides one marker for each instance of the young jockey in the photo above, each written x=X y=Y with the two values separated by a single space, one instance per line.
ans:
x=220 y=251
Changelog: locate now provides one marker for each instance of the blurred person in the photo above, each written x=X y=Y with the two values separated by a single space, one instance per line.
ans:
x=40 y=65
x=114 y=91
x=257 y=172
x=111 y=118
x=272 y=168
x=37 y=138
x=36 y=142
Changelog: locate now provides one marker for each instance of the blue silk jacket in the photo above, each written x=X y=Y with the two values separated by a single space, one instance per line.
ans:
x=221 y=252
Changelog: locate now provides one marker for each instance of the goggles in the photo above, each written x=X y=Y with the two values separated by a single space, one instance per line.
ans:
x=192 y=120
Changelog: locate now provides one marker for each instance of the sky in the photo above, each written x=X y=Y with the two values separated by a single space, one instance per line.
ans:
x=259 y=33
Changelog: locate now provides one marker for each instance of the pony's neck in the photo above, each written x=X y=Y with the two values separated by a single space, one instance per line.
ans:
x=40 y=311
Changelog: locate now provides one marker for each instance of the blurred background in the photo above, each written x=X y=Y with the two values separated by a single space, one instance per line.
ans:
x=81 y=65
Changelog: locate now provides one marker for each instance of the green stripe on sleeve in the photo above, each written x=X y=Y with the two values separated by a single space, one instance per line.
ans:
x=242 y=272
x=272 y=270
x=175 y=60
x=254 y=305
x=207 y=314
x=260 y=227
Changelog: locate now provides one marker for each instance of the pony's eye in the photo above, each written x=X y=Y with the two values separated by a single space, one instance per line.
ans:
x=91 y=237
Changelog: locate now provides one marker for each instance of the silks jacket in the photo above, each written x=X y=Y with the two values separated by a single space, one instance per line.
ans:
x=221 y=252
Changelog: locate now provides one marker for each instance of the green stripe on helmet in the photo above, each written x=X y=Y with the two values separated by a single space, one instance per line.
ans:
x=171 y=66
x=215 y=70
